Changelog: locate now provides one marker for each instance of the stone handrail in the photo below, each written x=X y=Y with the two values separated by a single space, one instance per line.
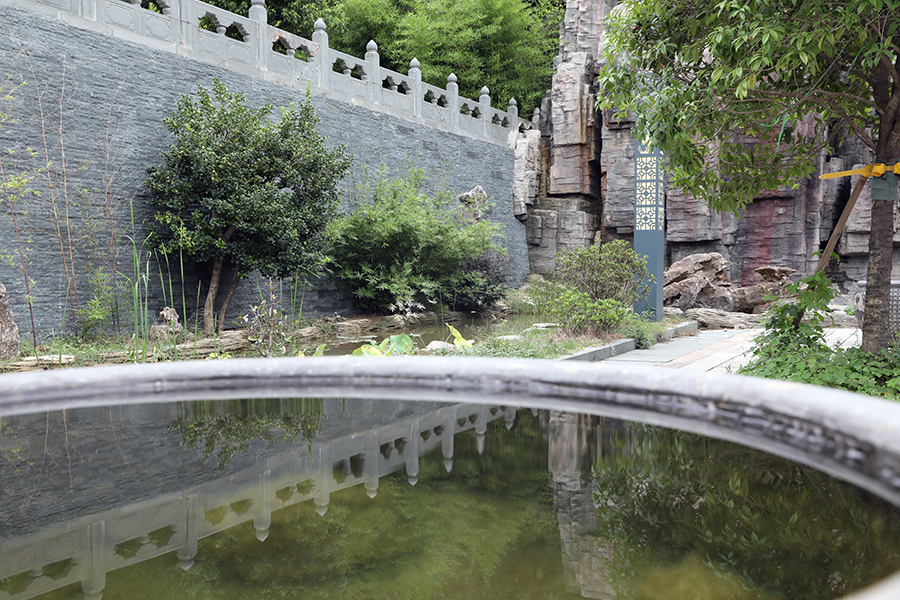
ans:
x=360 y=81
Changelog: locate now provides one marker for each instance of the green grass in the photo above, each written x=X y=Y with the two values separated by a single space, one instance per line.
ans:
x=549 y=343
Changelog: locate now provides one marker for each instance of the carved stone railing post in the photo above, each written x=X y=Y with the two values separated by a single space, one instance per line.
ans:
x=173 y=11
x=323 y=57
x=263 y=520
x=373 y=73
x=88 y=9
x=412 y=453
x=415 y=73
x=188 y=25
x=96 y=581
x=485 y=101
x=188 y=551
x=323 y=485
x=259 y=40
x=370 y=464
x=513 y=110
x=453 y=100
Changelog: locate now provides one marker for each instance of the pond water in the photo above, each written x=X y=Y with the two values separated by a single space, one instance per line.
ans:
x=470 y=326
x=387 y=499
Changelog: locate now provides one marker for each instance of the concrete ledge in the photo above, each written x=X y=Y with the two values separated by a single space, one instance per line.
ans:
x=603 y=352
x=628 y=344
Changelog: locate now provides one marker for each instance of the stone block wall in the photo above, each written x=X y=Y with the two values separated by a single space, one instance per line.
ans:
x=108 y=96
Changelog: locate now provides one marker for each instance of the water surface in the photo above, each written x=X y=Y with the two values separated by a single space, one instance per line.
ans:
x=384 y=499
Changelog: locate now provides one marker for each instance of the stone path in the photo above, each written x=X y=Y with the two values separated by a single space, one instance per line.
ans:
x=719 y=350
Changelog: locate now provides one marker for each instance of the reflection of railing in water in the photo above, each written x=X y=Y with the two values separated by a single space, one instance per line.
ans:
x=86 y=549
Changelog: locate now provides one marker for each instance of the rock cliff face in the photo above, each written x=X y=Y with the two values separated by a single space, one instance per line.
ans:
x=576 y=185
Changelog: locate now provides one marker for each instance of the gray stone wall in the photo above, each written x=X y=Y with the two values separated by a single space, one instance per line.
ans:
x=103 y=100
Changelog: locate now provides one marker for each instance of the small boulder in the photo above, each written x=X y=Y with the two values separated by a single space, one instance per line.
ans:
x=438 y=345
x=698 y=280
x=709 y=265
x=476 y=199
x=10 y=343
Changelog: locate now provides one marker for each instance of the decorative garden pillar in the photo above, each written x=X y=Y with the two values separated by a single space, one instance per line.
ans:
x=649 y=221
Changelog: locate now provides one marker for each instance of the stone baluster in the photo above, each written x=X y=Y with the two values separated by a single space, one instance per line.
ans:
x=173 y=11
x=485 y=101
x=536 y=117
x=453 y=101
x=370 y=464
x=373 y=73
x=509 y=417
x=96 y=581
x=259 y=39
x=415 y=73
x=412 y=453
x=323 y=485
x=263 y=520
x=480 y=430
x=447 y=442
x=188 y=551
x=323 y=56
x=513 y=109
x=88 y=9
x=186 y=25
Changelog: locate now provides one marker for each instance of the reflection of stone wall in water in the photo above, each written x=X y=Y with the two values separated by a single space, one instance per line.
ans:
x=102 y=489
x=573 y=445
x=582 y=177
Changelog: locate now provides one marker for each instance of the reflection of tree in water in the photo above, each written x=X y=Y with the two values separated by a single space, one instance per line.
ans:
x=231 y=425
x=731 y=522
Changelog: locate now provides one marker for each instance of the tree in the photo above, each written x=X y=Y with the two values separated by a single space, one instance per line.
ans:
x=506 y=45
x=742 y=95
x=495 y=43
x=238 y=191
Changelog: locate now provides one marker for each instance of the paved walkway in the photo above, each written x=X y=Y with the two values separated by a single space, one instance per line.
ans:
x=719 y=350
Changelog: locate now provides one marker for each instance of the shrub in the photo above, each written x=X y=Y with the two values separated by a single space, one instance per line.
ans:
x=408 y=249
x=612 y=270
x=596 y=287
x=578 y=312
x=793 y=347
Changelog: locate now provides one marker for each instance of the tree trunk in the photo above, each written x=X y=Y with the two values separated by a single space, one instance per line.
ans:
x=876 y=330
x=209 y=322
x=234 y=283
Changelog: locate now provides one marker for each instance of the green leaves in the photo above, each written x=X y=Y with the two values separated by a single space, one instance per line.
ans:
x=391 y=346
x=775 y=529
x=409 y=249
x=732 y=70
x=239 y=188
x=795 y=350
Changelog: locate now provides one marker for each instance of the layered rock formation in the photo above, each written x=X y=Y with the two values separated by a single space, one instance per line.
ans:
x=576 y=184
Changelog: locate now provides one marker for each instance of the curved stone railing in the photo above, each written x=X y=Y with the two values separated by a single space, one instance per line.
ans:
x=851 y=436
x=272 y=54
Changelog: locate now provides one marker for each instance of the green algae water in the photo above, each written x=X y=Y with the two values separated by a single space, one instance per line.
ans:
x=384 y=499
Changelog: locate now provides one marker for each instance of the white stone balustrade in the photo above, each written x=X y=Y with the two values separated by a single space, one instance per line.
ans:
x=269 y=53
x=95 y=544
